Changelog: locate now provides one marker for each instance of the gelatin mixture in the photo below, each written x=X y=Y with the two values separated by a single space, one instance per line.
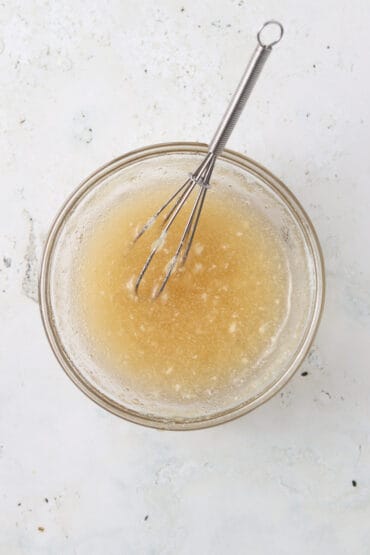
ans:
x=219 y=315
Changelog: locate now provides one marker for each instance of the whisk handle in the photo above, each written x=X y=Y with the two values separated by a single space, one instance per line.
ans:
x=242 y=93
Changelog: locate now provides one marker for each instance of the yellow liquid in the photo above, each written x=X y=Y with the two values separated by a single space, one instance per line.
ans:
x=219 y=315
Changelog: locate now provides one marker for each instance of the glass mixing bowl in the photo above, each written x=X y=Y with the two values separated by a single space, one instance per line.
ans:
x=89 y=202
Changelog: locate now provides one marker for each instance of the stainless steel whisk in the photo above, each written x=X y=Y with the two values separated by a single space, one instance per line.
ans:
x=202 y=174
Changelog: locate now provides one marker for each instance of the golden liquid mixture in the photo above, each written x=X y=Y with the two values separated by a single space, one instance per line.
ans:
x=219 y=314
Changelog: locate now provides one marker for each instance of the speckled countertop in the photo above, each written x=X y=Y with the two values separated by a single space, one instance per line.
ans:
x=83 y=82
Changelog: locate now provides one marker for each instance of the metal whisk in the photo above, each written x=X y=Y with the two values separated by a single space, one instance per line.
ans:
x=201 y=176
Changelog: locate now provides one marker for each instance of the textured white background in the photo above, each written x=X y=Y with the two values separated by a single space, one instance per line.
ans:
x=84 y=81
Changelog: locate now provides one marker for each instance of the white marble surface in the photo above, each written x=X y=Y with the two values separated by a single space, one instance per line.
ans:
x=82 y=82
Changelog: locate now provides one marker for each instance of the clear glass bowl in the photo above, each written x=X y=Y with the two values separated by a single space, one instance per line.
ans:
x=88 y=203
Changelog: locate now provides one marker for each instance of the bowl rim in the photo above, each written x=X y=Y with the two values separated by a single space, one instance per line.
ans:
x=150 y=151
